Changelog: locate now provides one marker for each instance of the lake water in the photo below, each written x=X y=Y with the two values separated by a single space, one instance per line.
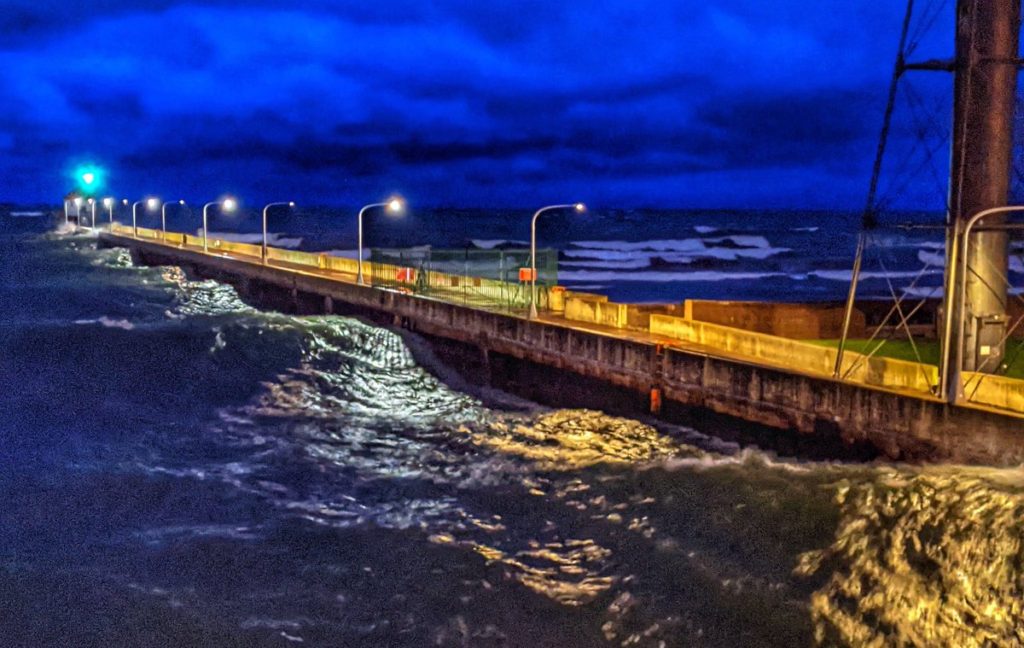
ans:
x=177 y=468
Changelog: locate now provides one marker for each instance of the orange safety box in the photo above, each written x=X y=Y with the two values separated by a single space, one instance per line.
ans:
x=406 y=274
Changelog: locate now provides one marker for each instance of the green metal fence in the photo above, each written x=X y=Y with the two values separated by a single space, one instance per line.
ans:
x=486 y=278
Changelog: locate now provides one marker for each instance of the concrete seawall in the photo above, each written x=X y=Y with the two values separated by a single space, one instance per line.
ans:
x=692 y=380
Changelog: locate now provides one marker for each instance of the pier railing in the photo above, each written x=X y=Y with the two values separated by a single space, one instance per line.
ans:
x=988 y=390
x=413 y=275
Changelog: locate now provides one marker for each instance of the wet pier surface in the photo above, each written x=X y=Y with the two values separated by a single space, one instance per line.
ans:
x=682 y=380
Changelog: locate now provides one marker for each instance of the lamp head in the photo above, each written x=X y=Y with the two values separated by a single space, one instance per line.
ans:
x=229 y=204
x=395 y=205
x=580 y=207
x=107 y=202
x=124 y=202
x=291 y=203
x=181 y=202
x=78 y=202
x=88 y=177
x=152 y=203
x=91 y=201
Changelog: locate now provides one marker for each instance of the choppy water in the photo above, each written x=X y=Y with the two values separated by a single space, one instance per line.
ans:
x=177 y=468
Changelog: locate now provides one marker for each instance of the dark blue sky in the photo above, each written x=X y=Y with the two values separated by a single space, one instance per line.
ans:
x=622 y=103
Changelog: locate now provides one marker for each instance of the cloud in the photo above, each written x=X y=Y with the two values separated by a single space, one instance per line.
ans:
x=454 y=100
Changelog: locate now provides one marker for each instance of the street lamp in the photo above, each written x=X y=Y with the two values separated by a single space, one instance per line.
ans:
x=67 y=218
x=393 y=205
x=163 y=219
x=151 y=204
x=579 y=207
x=109 y=204
x=92 y=203
x=227 y=204
x=78 y=210
x=263 y=254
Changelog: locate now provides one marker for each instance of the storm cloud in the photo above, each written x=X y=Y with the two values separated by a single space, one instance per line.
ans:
x=733 y=104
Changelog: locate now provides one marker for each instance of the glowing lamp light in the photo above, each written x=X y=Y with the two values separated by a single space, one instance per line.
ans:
x=395 y=205
x=291 y=204
x=580 y=207
x=124 y=202
x=229 y=204
x=78 y=202
x=152 y=203
x=107 y=202
x=181 y=202
x=91 y=201
x=88 y=177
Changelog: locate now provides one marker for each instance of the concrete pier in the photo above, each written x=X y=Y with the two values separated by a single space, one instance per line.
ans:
x=676 y=369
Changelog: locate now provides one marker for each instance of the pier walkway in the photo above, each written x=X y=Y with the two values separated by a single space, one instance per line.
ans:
x=765 y=379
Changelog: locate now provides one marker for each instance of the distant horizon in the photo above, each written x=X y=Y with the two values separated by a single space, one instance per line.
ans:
x=246 y=206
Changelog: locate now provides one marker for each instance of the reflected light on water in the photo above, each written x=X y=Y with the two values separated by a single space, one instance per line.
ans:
x=572 y=438
x=932 y=559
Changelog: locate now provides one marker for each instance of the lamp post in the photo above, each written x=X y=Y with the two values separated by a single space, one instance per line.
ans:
x=67 y=218
x=151 y=204
x=579 y=207
x=263 y=253
x=92 y=223
x=78 y=211
x=394 y=205
x=109 y=204
x=163 y=220
x=227 y=204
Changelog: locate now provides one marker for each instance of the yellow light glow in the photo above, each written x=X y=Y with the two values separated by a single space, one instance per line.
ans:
x=395 y=205
x=580 y=207
x=229 y=204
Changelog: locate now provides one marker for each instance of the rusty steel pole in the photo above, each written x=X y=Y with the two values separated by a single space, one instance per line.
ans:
x=984 y=89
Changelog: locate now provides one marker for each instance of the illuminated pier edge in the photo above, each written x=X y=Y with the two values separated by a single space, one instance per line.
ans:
x=680 y=364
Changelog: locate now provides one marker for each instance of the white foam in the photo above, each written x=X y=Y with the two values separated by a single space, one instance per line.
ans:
x=923 y=291
x=631 y=264
x=667 y=245
x=745 y=240
x=753 y=247
x=274 y=239
x=731 y=254
x=932 y=258
x=846 y=275
x=348 y=254
x=490 y=244
x=608 y=255
x=108 y=322
x=665 y=277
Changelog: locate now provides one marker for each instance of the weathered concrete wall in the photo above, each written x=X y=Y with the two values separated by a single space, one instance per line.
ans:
x=797 y=321
x=799 y=356
x=638 y=316
x=593 y=311
x=904 y=427
x=987 y=389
